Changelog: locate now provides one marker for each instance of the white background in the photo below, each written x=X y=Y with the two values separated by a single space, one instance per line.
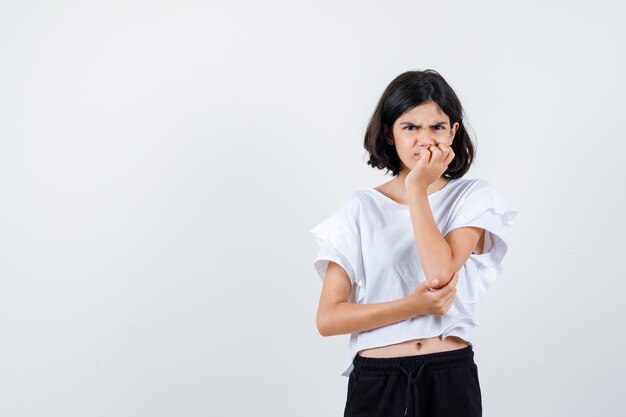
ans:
x=161 y=164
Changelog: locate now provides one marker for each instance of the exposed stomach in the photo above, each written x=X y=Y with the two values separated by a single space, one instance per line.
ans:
x=415 y=347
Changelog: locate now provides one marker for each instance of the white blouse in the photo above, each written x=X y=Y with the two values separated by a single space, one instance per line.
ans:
x=371 y=237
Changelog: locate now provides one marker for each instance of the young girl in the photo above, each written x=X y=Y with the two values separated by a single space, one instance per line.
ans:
x=404 y=264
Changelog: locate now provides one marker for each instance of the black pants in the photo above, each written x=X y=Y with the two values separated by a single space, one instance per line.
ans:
x=441 y=384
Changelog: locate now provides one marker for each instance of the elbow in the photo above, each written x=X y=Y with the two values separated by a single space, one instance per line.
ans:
x=322 y=326
x=330 y=322
x=327 y=324
x=443 y=277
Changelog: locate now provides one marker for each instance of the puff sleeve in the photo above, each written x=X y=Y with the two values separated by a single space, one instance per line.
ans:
x=338 y=243
x=483 y=207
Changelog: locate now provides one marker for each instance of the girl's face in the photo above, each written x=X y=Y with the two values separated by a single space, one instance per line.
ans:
x=417 y=129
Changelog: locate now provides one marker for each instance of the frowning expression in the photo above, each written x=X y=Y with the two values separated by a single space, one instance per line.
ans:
x=419 y=128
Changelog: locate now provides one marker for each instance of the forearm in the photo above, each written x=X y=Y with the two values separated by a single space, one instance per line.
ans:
x=345 y=318
x=434 y=252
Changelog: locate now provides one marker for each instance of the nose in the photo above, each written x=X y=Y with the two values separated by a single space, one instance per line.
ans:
x=426 y=141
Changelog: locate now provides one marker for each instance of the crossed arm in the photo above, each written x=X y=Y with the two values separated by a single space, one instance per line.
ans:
x=439 y=257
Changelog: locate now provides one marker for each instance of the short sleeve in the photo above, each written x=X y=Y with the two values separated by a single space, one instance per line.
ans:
x=483 y=207
x=339 y=244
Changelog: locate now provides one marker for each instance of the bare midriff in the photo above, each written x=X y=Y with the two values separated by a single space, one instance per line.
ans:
x=415 y=347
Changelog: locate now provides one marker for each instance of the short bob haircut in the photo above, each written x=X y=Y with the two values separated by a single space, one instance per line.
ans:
x=406 y=91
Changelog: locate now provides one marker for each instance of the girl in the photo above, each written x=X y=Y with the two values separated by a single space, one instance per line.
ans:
x=404 y=264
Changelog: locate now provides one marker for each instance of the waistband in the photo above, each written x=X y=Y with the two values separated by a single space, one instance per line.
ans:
x=412 y=367
x=428 y=361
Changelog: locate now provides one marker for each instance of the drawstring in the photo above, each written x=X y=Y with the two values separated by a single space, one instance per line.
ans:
x=409 y=382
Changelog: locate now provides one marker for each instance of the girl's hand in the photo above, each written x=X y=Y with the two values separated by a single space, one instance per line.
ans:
x=430 y=166
x=424 y=301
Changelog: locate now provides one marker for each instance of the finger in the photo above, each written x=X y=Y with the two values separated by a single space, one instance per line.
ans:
x=447 y=300
x=451 y=285
x=450 y=297
x=436 y=151
x=449 y=304
x=423 y=159
x=449 y=156
x=429 y=284
x=445 y=291
x=445 y=154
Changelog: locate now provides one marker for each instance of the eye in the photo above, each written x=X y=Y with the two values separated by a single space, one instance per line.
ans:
x=439 y=126
x=408 y=127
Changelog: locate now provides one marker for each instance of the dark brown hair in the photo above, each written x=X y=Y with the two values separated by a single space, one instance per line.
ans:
x=406 y=91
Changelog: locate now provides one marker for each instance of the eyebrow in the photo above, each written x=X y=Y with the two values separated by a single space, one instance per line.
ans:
x=413 y=124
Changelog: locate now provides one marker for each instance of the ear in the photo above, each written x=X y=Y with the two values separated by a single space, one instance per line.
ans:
x=388 y=137
x=453 y=131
